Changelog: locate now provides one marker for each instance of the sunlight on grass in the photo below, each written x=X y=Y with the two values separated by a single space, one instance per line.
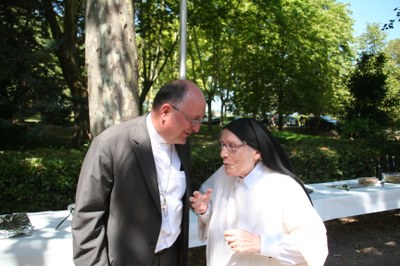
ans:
x=34 y=163
x=369 y=250
x=294 y=136
x=328 y=151
x=391 y=244
x=347 y=220
x=205 y=138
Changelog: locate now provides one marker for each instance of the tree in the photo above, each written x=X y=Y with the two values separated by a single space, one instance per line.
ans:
x=373 y=86
x=367 y=82
x=17 y=44
x=373 y=40
x=112 y=63
x=392 y=101
x=210 y=49
x=157 y=28
x=30 y=80
x=63 y=19
x=67 y=52
x=368 y=87
x=293 y=56
x=389 y=25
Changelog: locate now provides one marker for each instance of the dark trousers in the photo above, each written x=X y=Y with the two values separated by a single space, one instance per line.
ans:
x=169 y=257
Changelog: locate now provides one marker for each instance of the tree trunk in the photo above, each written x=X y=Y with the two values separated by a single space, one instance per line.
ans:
x=112 y=63
x=68 y=56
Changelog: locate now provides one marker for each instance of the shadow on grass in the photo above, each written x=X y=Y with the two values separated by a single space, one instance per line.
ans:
x=35 y=135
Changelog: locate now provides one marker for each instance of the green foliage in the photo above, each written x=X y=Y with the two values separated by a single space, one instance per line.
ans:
x=205 y=154
x=45 y=178
x=323 y=158
x=315 y=158
x=10 y=131
x=389 y=24
x=33 y=135
x=373 y=40
x=55 y=113
x=392 y=68
x=368 y=87
x=283 y=67
x=328 y=160
x=205 y=161
x=361 y=128
x=30 y=77
x=40 y=179
x=373 y=86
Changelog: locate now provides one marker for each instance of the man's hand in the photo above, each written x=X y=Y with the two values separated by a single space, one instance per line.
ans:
x=243 y=241
x=200 y=201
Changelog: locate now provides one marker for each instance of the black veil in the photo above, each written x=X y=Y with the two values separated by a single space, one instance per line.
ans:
x=257 y=136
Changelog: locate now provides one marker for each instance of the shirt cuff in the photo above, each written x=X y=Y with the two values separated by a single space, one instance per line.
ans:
x=205 y=217
x=270 y=245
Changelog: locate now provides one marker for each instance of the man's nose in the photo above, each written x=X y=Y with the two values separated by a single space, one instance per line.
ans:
x=196 y=127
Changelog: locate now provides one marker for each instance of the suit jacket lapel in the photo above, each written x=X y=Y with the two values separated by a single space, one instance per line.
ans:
x=144 y=154
x=145 y=158
x=184 y=155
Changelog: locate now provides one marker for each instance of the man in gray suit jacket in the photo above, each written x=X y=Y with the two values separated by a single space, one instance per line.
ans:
x=132 y=201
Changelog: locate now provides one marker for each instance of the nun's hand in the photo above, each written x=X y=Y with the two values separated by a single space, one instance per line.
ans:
x=243 y=241
x=200 y=201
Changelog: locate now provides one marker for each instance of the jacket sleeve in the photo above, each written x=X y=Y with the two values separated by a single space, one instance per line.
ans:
x=91 y=206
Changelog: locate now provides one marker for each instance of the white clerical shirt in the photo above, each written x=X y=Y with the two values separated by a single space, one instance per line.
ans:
x=171 y=184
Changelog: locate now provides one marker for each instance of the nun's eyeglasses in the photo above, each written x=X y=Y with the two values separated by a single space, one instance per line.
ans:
x=231 y=147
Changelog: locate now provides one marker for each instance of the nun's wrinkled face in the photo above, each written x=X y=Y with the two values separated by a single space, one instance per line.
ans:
x=238 y=158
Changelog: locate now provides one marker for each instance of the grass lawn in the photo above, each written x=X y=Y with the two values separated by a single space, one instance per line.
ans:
x=37 y=164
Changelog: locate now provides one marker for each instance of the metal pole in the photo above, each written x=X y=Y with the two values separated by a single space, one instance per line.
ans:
x=183 y=20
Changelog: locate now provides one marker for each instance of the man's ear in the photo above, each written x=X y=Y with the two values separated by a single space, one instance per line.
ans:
x=165 y=109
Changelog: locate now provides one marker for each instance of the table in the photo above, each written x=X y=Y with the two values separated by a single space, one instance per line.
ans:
x=49 y=247
x=332 y=203
x=46 y=246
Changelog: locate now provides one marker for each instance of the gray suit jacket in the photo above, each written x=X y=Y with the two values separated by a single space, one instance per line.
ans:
x=117 y=217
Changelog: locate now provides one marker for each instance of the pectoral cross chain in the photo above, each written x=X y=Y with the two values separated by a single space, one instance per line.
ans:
x=164 y=207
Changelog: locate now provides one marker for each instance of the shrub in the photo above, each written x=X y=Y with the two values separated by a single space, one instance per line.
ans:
x=315 y=159
x=40 y=179
x=46 y=178
x=329 y=160
x=205 y=160
x=10 y=131
x=361 y=128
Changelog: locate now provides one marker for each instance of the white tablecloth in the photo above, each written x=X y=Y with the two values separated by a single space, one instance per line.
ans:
x=46 y=246
x=50 y=247
x=332 y=203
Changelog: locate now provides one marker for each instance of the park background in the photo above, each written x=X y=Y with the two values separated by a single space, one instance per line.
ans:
x=70 y=69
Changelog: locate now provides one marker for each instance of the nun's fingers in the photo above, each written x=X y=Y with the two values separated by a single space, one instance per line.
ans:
x=243 y=241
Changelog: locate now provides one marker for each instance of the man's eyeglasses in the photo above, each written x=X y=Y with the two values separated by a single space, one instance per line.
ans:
x=231 y=147
x=192 y=120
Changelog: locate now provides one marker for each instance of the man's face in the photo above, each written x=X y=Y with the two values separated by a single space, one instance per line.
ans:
x=183 y=120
